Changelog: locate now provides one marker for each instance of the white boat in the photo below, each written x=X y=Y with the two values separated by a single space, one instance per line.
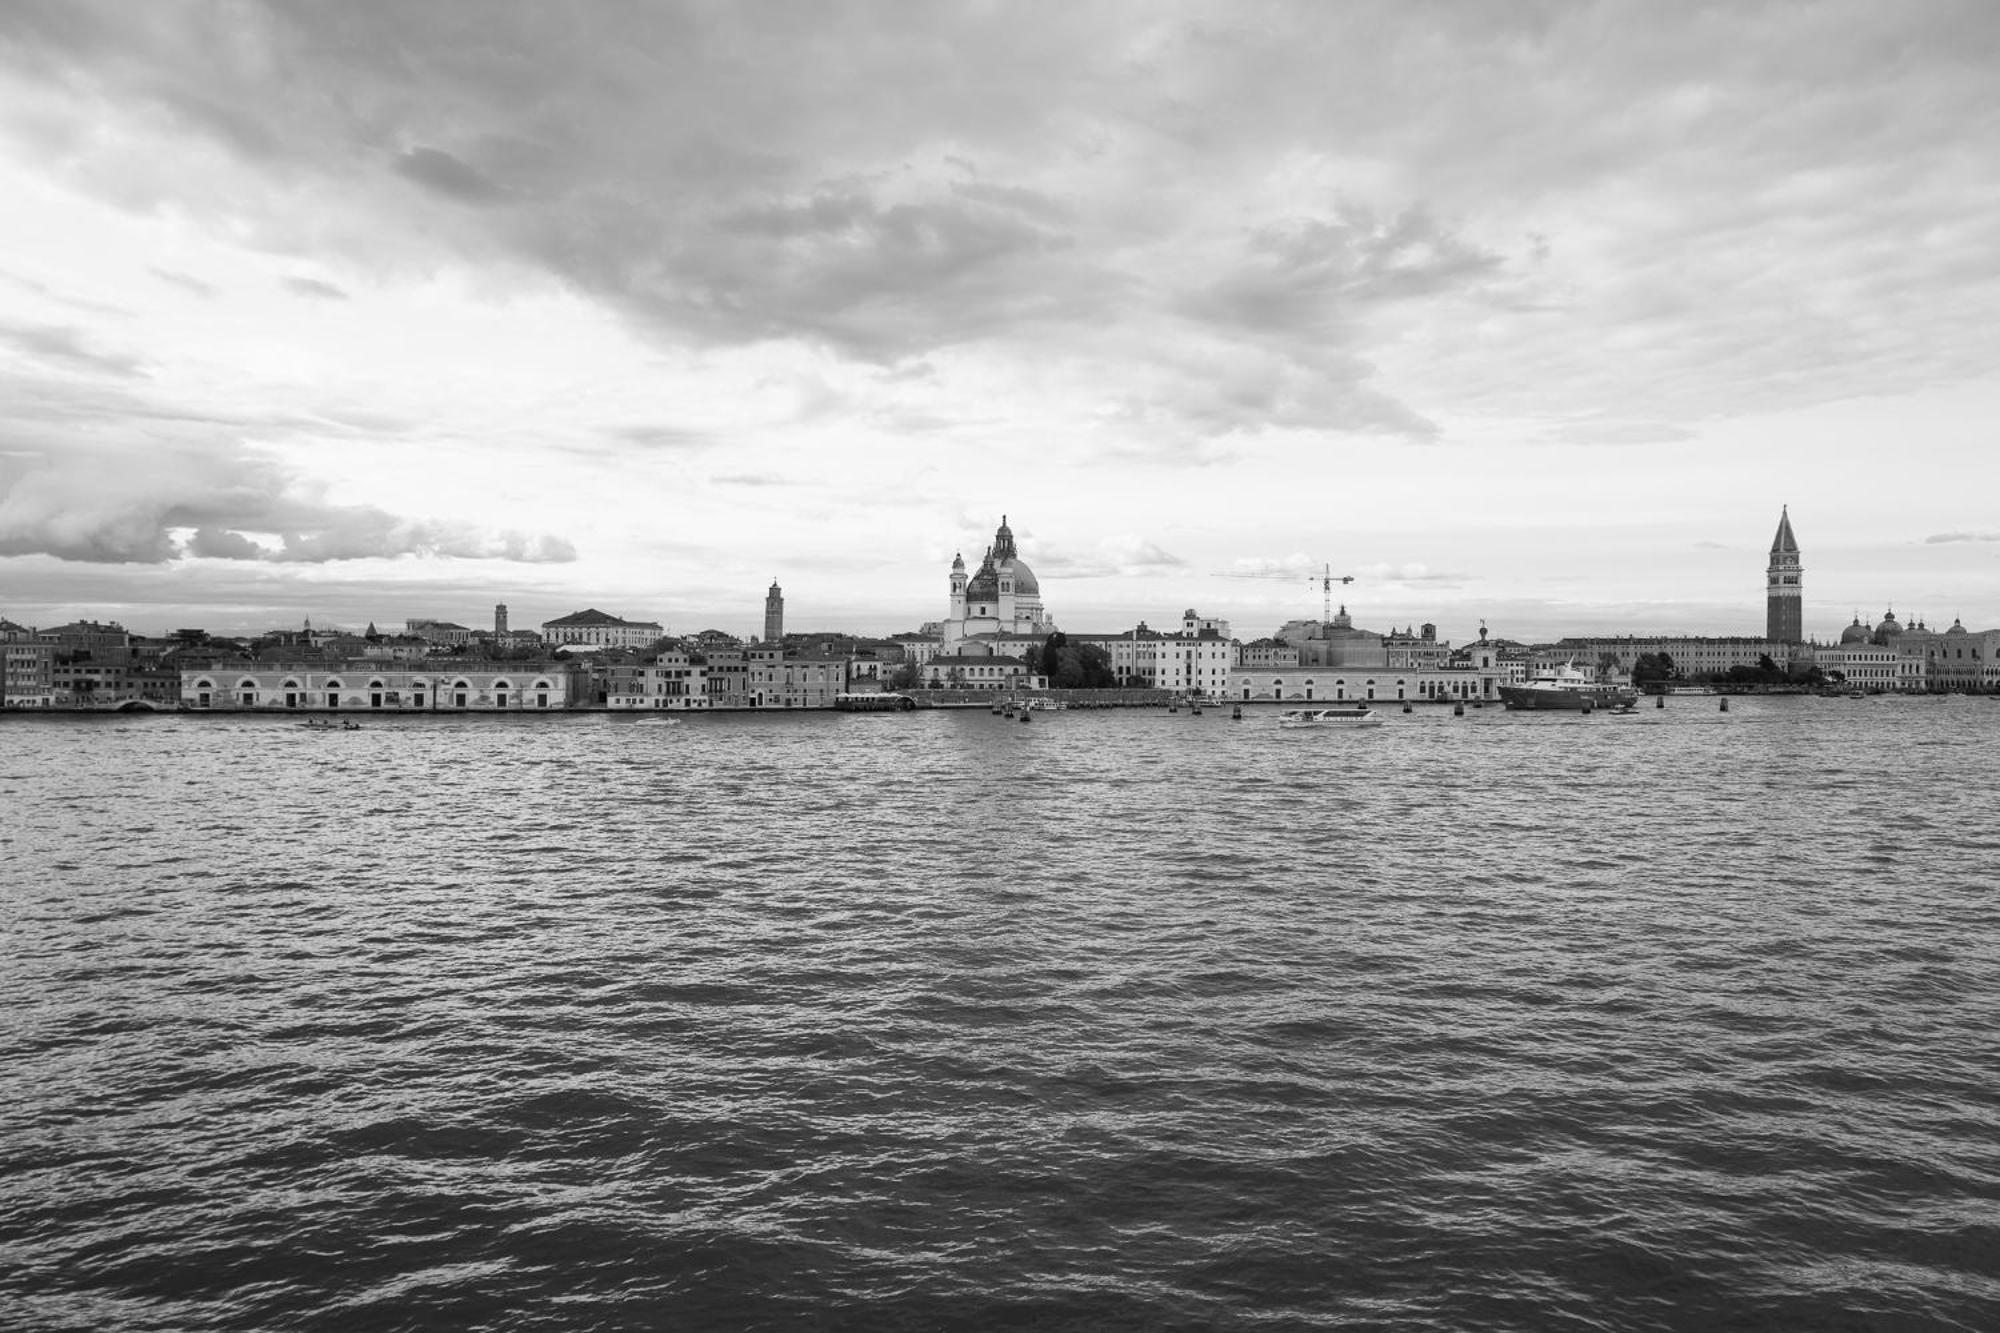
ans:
x=1346 y=715
x=1566 y=688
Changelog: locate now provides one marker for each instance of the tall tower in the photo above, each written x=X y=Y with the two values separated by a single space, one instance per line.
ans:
x=1783 y=618
x=774 y=615
x=500 y=620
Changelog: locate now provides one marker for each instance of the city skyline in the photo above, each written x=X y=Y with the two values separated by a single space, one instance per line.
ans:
x=1535 y=317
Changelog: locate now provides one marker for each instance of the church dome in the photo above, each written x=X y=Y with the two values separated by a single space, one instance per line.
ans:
x=1957 y=627
x=1855 y=633
x=1024 y=579
x=1890 y=628
x=985 y=585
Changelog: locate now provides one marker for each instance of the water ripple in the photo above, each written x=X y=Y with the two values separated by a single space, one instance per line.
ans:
x=1682 y=1021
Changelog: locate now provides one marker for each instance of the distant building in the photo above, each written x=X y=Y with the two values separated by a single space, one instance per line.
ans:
x=672 y=681
x=1186 y=662
x=27 y=672
x=100 y=641
x=365 y=686
x=1694 y=656
x=998 y=605
x=781 y=680
x=593 y=628
x=774 y=614
x=1342 y=663
x=439 y=633
x=1784 y=587
x=1962 y=659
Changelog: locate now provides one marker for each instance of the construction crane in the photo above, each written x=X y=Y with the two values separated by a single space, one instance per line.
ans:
x=1326 y=579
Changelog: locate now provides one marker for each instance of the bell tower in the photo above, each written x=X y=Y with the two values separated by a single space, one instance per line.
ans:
x=774 y=615
x=1783 y=614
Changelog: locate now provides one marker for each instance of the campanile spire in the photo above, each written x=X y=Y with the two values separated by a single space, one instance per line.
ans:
x=1784 y=585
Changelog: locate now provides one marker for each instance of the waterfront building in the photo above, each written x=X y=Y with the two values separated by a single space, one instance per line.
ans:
x=781 y=680
x=1186 y=663
x=593 y=628
x=27 y=671
x=364 y=686
x=1907 y=659
x=1355 y=666
x=1784 y=588
x=968 y=670
x=726 y=677
x=1963 y=659
x=673 y=680
x=1695 y=657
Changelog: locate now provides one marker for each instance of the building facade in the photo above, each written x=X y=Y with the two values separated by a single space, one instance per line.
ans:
x=594 y=629
x=1002 y=600
x=671 y=682
x=364 y=687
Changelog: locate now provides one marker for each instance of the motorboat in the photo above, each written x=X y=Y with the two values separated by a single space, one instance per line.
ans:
x=1345 y=715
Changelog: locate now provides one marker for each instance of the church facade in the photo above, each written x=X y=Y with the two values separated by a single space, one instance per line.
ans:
x=995 y=616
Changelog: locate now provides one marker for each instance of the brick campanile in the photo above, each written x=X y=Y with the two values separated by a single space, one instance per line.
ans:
x=774 y=615
x=1783 y=584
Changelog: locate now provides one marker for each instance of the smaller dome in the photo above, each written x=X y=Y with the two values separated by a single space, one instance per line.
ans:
x=1855 y=633
x=1956 y=627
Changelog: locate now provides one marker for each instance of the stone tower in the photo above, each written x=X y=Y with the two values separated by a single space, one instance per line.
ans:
x=1783 y=618
x=774 y=615
x=500 y=620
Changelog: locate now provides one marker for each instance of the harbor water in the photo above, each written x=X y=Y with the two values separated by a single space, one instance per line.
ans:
x=1687 y=1019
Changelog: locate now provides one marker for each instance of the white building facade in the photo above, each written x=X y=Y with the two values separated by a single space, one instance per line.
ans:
x=369 y=687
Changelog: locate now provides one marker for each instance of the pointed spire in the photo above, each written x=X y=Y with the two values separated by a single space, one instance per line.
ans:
x=1784 y=543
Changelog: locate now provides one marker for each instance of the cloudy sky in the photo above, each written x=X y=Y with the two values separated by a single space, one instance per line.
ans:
x=1529 y=313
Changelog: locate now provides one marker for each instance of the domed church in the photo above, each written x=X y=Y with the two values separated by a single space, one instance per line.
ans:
x=1002 y=601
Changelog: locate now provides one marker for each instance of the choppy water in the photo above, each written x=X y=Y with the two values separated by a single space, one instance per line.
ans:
x=1686 y=1020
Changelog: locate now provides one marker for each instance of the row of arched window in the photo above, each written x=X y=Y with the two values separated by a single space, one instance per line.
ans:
x=449 y=692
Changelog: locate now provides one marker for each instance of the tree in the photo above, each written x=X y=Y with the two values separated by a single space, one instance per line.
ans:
x=1650 y=669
